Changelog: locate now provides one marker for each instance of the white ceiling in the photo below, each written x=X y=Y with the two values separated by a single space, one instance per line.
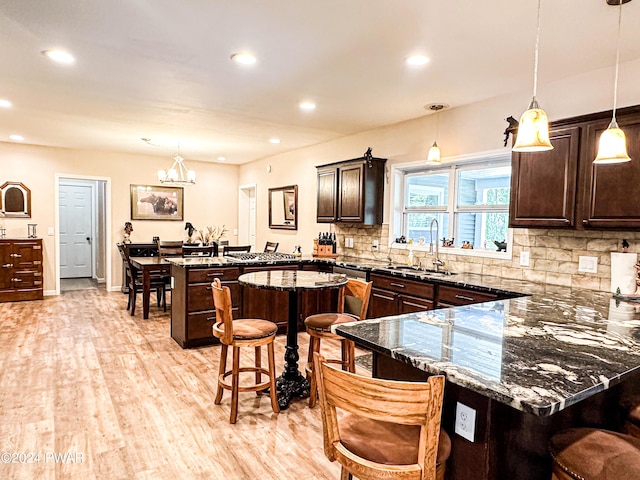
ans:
x=160 y=69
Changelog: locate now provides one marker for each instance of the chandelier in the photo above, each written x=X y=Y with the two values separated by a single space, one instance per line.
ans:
x=178 y=174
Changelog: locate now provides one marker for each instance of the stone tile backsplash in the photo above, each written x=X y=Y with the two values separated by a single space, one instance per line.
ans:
x=553 y=254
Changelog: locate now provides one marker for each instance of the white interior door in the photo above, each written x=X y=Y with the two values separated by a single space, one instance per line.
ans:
x=247 y=216
x=76 y=208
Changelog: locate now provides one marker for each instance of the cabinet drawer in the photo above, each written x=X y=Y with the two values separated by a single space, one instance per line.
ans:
x=413 y=304
x=200 y=297
x=461 y=296
x=206 y=275
x=402 y=285
x=26 y=278
x=200 y=325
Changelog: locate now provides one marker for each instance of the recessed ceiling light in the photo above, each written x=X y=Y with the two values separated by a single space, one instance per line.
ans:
x=307 y=106
x=222 y=159
x=59 y=56
x=417 y=60
x=244 y=58
x=16 y=138
x=5 y=103
x=275 y=141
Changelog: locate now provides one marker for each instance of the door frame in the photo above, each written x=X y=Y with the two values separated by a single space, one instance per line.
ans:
x=244 y=220
x=107 y=229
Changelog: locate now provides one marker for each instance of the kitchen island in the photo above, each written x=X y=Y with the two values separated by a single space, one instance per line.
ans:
x=527 y=366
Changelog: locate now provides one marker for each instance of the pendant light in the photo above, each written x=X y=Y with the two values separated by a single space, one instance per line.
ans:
x=612 y=147
x=433 y=156
x=178 y=174
x=533 y=130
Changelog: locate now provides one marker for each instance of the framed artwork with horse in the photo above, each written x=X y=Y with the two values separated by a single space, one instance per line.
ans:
x=152 y=202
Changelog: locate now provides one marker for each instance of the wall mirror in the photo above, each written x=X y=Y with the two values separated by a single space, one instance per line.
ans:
x=15 y=200
x=283 y=207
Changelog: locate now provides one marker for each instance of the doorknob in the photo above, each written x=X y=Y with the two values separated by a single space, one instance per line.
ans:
x=89 y=240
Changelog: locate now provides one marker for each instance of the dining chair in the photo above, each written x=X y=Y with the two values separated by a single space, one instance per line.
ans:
x=271 y=247
x=198 y=250
x=169 y=248
x=134 y=281
x=382 y=429
x=353 y=297
x=236 y=249
x=237 y=334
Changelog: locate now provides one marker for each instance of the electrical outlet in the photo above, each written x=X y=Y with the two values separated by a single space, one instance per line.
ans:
x=235 y=231
x=348 y=243
x=375 y=244
x=465 y=421
x=524 y=259
x=587 y=264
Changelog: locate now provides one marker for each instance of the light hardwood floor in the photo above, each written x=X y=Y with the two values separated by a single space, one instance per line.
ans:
x=78 y=374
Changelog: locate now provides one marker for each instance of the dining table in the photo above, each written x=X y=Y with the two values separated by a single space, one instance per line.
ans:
x=292 y=383
x=149 y=266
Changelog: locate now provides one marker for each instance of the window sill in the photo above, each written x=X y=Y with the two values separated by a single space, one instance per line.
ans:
x=469 y=252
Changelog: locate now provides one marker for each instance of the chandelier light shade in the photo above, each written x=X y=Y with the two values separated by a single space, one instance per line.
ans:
x=533 y=130
x=178 y=174
x=612 y=147
x=433 y=156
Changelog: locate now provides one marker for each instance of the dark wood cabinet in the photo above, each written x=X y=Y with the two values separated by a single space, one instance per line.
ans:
x=394 y=295
x=21 y=269
x=351 y=191
x=192 y=311
x=454 y=296
x=543 y=185
x=563 y=188
x=612 y=194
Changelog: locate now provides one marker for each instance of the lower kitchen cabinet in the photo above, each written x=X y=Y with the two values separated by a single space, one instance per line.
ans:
x=454 y=296
x=393 y=295
x=21 y=269
x=192 y=311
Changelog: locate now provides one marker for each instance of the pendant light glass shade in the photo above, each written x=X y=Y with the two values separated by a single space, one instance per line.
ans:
x=533 y=130
x=612 y=147
x=434 y=154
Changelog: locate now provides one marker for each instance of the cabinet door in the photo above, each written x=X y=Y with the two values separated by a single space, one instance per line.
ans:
x=382 y=303
x=543 y=184
x=414 y=304
x=612 y=196
x=6 y=265
x=327 y=193
x=351 y=193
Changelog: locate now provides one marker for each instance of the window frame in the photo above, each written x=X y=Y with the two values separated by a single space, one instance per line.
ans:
x=399 y=213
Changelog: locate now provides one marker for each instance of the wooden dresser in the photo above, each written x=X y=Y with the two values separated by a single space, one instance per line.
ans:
x=20 y=269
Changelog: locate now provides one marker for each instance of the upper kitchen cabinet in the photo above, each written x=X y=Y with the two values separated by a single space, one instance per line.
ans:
x=611 y=198
x=562 y=188
x=543 y=184
x=351 y=191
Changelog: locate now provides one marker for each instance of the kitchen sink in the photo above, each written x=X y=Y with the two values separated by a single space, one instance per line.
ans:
x=419 y=270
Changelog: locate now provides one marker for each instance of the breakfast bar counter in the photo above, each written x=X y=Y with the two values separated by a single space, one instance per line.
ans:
x=528 y=366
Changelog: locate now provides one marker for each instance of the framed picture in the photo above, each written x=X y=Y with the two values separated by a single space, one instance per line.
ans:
x=151 y=202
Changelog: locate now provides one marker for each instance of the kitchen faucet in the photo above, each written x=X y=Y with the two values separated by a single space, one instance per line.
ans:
x=437 y=263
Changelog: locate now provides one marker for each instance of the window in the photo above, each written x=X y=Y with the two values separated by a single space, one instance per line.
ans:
x=469 y=202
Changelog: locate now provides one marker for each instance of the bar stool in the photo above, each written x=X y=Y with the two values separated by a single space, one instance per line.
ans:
x=242 y=333
x=593 y=454
x=319 y=327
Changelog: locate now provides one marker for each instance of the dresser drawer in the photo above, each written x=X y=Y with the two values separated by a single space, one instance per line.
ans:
x=206 y=275
x=402 y=285
x=462 y=296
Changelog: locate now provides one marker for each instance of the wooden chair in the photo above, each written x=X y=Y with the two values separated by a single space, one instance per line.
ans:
x=237 y=334
x=236 y=249
x=593 y=454
x=387 y=429
x=169 y=248
x=198 y=250
x=355 y=297
x=134 y=282
x=271 y=247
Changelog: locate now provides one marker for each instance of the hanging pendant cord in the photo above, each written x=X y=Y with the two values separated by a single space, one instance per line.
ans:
x=535 y=57
x=615 y=81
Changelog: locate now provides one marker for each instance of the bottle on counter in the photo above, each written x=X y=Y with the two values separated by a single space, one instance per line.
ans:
x=334 y=244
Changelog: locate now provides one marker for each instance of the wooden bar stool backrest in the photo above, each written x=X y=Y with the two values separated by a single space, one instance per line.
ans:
x=401 y=403
x=354 y=298
x=198 y=250
x=169 y=248
x=222 y=305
